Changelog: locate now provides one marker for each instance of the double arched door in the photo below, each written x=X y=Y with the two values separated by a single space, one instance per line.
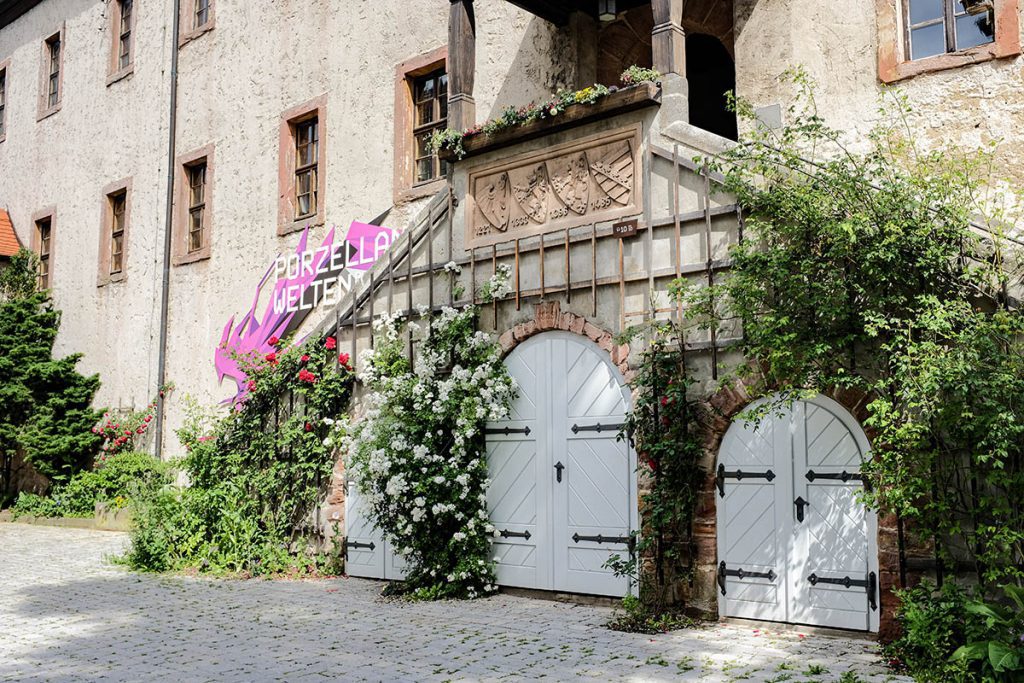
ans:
x=794 y=543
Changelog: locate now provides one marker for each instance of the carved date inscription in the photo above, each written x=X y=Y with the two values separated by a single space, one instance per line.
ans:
x=589 y=180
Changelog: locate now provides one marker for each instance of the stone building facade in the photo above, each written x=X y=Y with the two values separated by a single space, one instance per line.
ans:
x=166 y=152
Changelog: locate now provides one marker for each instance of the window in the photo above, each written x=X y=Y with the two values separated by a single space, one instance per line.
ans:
x=301 y=175
x=202 y=13
x=923 y=36
x=307 y=144
x=193 y=206
x=196 y=206
x=53 y=72
x=421 y=107
x=935 y=27
x=124 y=48
x=430 y=96
x=44 y=237
x=3 y=102
x=118 y=204
x=197 y=17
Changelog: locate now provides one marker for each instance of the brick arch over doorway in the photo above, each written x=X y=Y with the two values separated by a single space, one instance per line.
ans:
x=717 y=414
x=548 y=317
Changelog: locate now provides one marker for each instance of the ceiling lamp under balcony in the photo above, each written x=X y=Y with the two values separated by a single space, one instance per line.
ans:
x=606 y=10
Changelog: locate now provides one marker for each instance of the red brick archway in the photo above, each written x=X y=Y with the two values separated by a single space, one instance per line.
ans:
x=548 y=317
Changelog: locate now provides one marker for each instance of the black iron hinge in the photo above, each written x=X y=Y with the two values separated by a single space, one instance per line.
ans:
x=576 y=429
x=741 y=574
x=346 y=544
x=508 y=430
x=505 y=533
x=869 y=584
x=599 y=539
x=738 y=475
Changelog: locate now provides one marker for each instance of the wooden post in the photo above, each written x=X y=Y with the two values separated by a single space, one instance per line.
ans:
x=461 y=64
x=668 y=42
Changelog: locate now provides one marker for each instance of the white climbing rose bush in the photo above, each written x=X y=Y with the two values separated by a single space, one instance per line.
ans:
x=418 y=454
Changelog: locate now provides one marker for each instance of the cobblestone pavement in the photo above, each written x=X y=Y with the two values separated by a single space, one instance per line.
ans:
x=66 y=614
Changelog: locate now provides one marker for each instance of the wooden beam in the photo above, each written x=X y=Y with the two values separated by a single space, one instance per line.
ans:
x=668 y=42
x=461 y=64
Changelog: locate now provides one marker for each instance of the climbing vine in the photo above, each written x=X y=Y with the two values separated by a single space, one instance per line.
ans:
x=862 y=271
x=418 y=452
x=662 y=427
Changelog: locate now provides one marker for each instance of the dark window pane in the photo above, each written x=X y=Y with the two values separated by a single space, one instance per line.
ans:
x=422 y=142
x=424 y=169
x=927 y=41
x=974 y=30
x=425 y=112
x=424 y=89
x=924 y=10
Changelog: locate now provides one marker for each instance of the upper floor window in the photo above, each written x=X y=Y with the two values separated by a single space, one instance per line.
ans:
x=118 y=207
x=193 y=206
x=301 y=174
x=430 y=101
x=935 y=27
x=196 y=206
x=124 y=47
x=44 y=237
x=3 y=103
x=201 y=16
x=53 y=71
x=307 y=158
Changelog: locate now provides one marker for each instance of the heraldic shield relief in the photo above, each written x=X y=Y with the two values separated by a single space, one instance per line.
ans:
x=579 y=183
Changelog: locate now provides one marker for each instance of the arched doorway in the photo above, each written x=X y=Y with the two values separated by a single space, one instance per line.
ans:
x=710 y=74
x=563 y=487
x=794 y=543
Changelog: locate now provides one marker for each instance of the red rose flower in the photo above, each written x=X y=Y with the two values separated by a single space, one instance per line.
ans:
x=664 y=401
x=330 y=343
x=272 y=358
x=252 y=385
x=309 y=427
x=306 y=376
x=343 y=359
x=273 y=341
x=305 y=358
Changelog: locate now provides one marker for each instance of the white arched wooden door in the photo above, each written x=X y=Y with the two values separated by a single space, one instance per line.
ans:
x=563 y=487
x=794 y=544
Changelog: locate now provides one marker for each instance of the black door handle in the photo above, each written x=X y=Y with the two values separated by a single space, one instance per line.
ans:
x=800 y=503
x=558 y=470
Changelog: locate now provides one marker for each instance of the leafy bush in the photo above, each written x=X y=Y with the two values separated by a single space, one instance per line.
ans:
x=950 y=636
x=115 y=481
x=256 y=474
x=121 y=432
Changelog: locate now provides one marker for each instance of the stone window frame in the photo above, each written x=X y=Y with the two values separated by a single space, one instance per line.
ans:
x=894 y=63
x=287 y=222
x=44 y=108
x=110 y=191
x=405 y=187
x=5 y=96
x=180 y=254
x=115 y=72
x=187 y=31
x=49 y=213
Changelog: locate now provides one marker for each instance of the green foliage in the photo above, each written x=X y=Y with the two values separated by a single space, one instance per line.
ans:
x=116 y=480
x=418 y=455
x=636 y=75
x=47 y=411
x=949 y=636
x=121 y=431
x=861 y=271
x=662 y=428
x=256 y=474
x=636 y=616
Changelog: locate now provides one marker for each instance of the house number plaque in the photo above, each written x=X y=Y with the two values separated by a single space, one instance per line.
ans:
x=578 y=183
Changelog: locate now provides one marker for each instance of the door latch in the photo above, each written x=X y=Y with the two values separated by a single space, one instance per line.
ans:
x=800 y=503
x=558 y=471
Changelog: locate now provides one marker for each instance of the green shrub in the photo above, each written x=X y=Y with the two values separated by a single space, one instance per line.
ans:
x=114 y=481
x=951 y=636
x=256 y=474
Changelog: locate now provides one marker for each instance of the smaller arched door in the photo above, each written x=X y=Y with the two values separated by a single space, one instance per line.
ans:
x=562 y=496
x=794 y=543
